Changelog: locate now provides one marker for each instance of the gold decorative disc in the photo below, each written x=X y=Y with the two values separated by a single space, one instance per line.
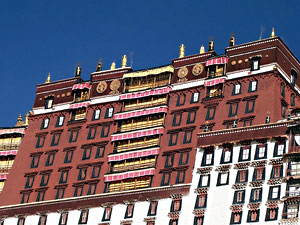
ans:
x=69 y=93
x=233 y=63
x=115 y=84
x=197 y=69
x=246 y=60
x=182 y=72
x=101 y=87
x=240 y=61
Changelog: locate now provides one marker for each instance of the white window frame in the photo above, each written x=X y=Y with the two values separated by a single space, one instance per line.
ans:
x=46 y=123
x=275 y=192
x=280 y=149
x=227 y=156
x=97 y=114
x=208 y=158
x=61 y=120
x=246 y=152
x=261 y=151
x=237 y=89
x=254 y=85
x=204 y=180
x=195 y=97
x=110 y=112
x=224 y=178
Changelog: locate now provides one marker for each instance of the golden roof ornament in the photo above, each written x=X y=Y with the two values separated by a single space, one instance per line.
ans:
x=124 y=61
x=202 y=49
x=181 y=51
x=19 y=121
x=99 y=66
x=273 y=33
x=26 y=119
x=48 y=79
x=211 y=46
x=78 y=71
x=113 y=66
x=232 y=41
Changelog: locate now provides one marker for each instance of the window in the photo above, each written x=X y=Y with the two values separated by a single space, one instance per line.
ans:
x=261 y=151
x=242 y=176
x=183 y=158
x=176 y=205
x=78 y=190
x=250 y=106
x=55 y=139
x=236 y=217
x=92 y=133
x=195 y=97
x=279 y=149
x=291 y=211
x=283 y=110
x=87 y=152
x=201 y=201
x=177 y=119
x=82 y=173
x=253 y=215
x=237 y=89
x=173 y=139
x=245 y=153
x=187 y=136
x=129 y=211
x=21 y=221
x=204 y=181
x=268 y=119
x=73 y=135
x=84 y=216
x=165 y=179
x=274 y=193
x=60 y=192
x=78 y=114
x=293 y=99
x=233 y=109
x=63 y=218
x=282 y=90
x=247 y=122
x=105 y=130
x=40 y=195
x=226 y=155
x=173 y=222
x=45 y=179
x=100 y=152
x=29 y=181
x=152 y=208
x=223 y=178
x=239 y=197
x=259 y=173
x=252 y=86
x=180 y=176
x=96 y=171
x=293 y=77
x=40 y=141
x=49 y=102
x=109 y=112
x=198 y=220
x=210 y=114
x=50 y=158
x=277 y=171
x=208 y=158
x=45 y=123
x=68 y=156
x=255 y=63
x=64 y=176
x=25 y=197
x=256 y=195
x=271 y=214
x=96 y=114
x=60 y=121
x=180 y=100
x=42 y=220
x=169 y=160
x=107 y=214
x=191 y=117
x=35 y=159
x=92 y=189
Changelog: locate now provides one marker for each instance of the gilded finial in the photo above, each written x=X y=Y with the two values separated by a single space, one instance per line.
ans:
x=19 y=121
x=78 y=71
x=202 y=49
x=181 y=51
x=232 y=41
x=113 y=66
x=99 y=65
x=26 y=119
x=273 y=33
x=211 y=46
x=20 y=118
x=48 y=79
x=124 y=61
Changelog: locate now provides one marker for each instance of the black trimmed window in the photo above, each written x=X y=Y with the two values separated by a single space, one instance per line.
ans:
x=277 y=171
x=173 y=139
x=293 y=99
x=152 y=208
x=274 y=193
x=283 y=110
x=68 y=156
x=223 y=178
x=191 y=117
x=165 y=180
x=45 y=179
x=29 y=181
x=252 y=86
x=195 y=97
x=129 y=211
x=294 y=76
x=259 y=173
x=63 y=218
x=279 y=148
x=73 y=135
x=241 y=176
x=109 y=112
x=261 y=151
x=250 y=105
x=188 y=135
x=21 y=221
x=45 y=123
x=237 y=89
x=49 y=102
x=42 y=220
x=198 y=220
x=78 y=190
x=180 y=100
x=201 y=201
x=208 y=158
x=107 y=214
x=96 y=114
x=253 y=215
x=282 y=89
x=239 y=197
x=271 y=214
x=256 y=195
x=55 y=139
x=268 y=119
x=92 y=133
x=84 y=214
x=87 y=152
x=50 y=158
x=245 y=153
x=96 y=171
x=255 y=63
x=25 y=197
x=35 y=160
x=180 y=177
x=176 y=205
x=173 y=222
x=105 y=130
x=210 y=114
x=60 y=121
x=169 y=161
x=40 y=196
x=236 y=217
x=63 y=176
x=204 y=180
x=40 y=141
x=233 y=109
x=78 y=114
x=177 y=117
x=82 y=172
x=92 y=187
x=183 y=158
x=226 y=156
x=60 y=192
x=100 y=151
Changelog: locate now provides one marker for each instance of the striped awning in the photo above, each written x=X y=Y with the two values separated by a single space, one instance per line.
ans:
x=9 y=152
x=141 y=94
x=137 y=134
x=82 y=86
x=215 y=61
x=143 y=112
x=79 y=105
x=131 y=174
x=11 y=131
x=213 y=82
x=3 y=176
x=133 y=155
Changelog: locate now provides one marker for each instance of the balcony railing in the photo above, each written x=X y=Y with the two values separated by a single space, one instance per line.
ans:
x=216 y=74
x=292 y=193
x=290 y=215
x=139 y=87
x=140 y=125
x=137 y=145
x=5 y=168
x=82 y=99
x=12 y=146
x=145 y=104
x=133 y=167
x=129 y=184
x=215 y=94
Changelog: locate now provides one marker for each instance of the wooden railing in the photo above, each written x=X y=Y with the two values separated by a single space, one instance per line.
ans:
x=148 y=85
x=216 y=74
x=145 y=105
x=137 y=145
x=139 y=125
x=12 y=146
x=82 y=99
x=129 y=185
x=133 y=167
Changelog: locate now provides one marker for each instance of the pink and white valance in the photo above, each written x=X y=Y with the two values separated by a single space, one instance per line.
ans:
x=213 y=82
x=215 y=61
x=137 y=134
x=132 y=174
x=10 y=152
x=143 y=112
x=142 y=94
x=11 y=131
x=79 y=105
x=133 y=155
x=82 y=86
x=3 y=176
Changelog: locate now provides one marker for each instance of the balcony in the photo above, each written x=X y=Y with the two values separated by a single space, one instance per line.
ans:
x=129 y=184
x=5 y=168
x=12 y=146
x=133 y=165
x=216 y=74
x=292 y=193
x=136 y=125
x=82 y=98
x=137 y=104
x=136 y=145
x=212 y=95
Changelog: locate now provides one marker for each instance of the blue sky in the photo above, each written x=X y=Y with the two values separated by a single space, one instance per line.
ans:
x=41 y=36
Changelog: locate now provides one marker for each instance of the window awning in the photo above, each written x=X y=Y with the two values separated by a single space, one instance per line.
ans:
x=141 y=94
x=153 y=71
x=131 y=174
x=82 y=86
x=79 y=105
x=137 y=134
x=213 y=82
x=3 y=176
x=143 y=112
x=10 y=152
x=11 y=131
x=215 y=61
x=133 y=155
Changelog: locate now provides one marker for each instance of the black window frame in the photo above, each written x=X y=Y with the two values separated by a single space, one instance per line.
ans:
x=68 y=156
x=219 y=178
x=171 y=135
x=253 y=59
x=208 y=113
x=271 y=190
x=92 y=133
x=187 y=138
x=233 y=109
x=45 y=179
x=252 y=195
x=43 y=123
x=105 y=131
x=35 y=160
x=205 y=153
x=249 y=220
x=82 y=173
x=247 y=109
x=238 y=176
x=177 y=116
x=73 y=136
x=87 y=152
x=94 y=114
x=256 y=156
x=57 y=121
x=165 y=182
x=235 y=197
x=200 y=184
x=50 y=158
x=192 y=97
x=107 y=113
x=250 y=90
x=100 y=151
x=234 y=89
x=241 y=154
x=191 y=114
x=63 y=179
x=180 y=102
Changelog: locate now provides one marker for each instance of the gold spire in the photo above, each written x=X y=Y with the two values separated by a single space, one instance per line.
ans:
x=232 y=41
x=99 y=66
x=48 y=79
x=181 y=51
x=124 y=61
x=20 y=118
x=19 y=121
x=211 y=46
x=78 y=71
x=273 y=33
x=202 y=49
x=26 y=119
x=113 y=66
